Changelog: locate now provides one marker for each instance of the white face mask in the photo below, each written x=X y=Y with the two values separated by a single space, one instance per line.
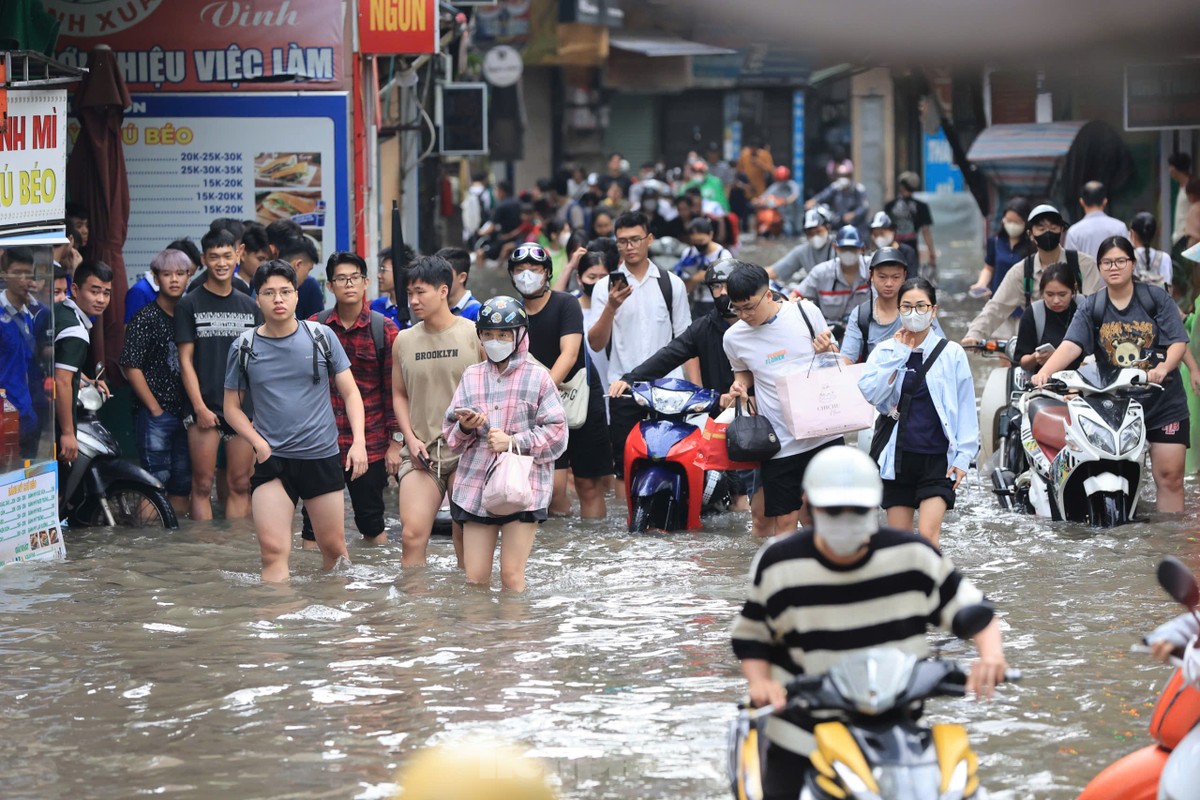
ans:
x=1014 y=229
x=884 y=241
x=819 y=241
x=841 y=184
x=498 y=350
x=848 y=258
x=846 y=533
x=528 y=283
x=915 y=321
x=563 y=238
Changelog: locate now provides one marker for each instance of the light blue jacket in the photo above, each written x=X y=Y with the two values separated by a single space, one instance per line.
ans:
x=951 y=388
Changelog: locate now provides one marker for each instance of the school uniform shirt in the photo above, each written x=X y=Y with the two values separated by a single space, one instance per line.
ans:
x=804 y=613
x=467 y=307
x=771 y=351
x=1131 y=338
x=385 y=306
x=827 y=287
x=951 y=388
x=520 y=400
x=693 y=261
x=642 y=324
x=15 y=338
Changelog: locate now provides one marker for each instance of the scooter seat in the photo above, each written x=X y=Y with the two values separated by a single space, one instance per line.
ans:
x=1050 y=420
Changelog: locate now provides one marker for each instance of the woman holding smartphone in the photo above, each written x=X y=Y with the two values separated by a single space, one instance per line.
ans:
x=507 y=402
x=1044 y=325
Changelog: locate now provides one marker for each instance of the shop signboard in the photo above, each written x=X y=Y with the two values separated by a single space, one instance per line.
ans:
x=33 y=156
x=29 y=526
x=208 y=45
x=941 y=173
x=1162 y=97
x=192 y=158
x=398 y=26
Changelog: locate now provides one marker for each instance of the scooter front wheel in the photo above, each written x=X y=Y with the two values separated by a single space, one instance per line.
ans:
x=131 y=505
x=640 y=521
x=1108 y=509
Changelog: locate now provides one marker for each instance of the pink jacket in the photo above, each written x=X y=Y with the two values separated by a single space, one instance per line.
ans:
x=523 y=402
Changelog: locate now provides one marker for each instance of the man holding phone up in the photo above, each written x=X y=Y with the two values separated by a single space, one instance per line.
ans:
x=644 y=308
x=428 y=361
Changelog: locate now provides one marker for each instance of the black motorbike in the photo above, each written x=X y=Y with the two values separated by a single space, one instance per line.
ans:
x=102 y=489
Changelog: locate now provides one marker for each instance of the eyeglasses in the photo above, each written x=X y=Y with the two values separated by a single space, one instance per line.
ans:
x=744 y=310
x=837 y=511
x=714 y=286
x=920 y=308
x=349 y=280
x=1116 y=263
x=529 y=252
x=632 y=241
x=282 y=294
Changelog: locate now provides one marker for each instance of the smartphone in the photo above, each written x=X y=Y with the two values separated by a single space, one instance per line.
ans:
x=464 y=410
x=977 y=291
x=618 y=280
x=1045 y=349
x=425 y=462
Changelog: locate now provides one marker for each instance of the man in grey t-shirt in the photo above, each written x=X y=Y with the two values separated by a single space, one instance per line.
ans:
x=286 y=366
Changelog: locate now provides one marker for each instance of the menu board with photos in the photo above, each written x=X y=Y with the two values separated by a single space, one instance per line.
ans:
x=29 y=526
x=194 y=158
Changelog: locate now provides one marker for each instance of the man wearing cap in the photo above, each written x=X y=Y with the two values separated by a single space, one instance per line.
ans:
x=883 y=235
x=1020 y=286
x=816 y=248
x=878 y=319
x=840 y=285
x=841 y=587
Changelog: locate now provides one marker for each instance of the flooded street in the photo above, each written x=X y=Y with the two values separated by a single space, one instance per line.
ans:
x=157 y=665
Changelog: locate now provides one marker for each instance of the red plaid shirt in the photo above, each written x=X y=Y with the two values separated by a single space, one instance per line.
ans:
x=374 y=384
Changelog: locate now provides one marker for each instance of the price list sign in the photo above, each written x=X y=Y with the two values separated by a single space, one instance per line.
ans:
x=192 y=159
x=29 y=527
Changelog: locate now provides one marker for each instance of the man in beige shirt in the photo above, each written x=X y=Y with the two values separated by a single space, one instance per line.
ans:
x=428 y=361
x=1045 y=227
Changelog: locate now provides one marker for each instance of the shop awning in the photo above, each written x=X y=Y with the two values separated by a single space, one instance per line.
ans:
x=663 y=46
x=1024 y=159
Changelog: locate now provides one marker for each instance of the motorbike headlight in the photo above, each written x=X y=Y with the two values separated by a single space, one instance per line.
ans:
x=958 y=782
x=1131 y=436
x=669 y=402
x=1098 y=436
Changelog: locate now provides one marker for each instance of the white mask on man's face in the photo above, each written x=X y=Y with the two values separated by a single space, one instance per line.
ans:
x=884 y=239
x=846 y=533
x=848 y=257
x=818 y=241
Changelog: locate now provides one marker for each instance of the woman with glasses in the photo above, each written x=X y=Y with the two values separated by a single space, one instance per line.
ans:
x=1136 y=325
x=927 y=433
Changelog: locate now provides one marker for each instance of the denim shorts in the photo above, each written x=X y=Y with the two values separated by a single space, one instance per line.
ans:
x=163 y=444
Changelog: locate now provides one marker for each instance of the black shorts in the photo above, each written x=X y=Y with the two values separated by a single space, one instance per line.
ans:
x=921 y=476
x=1174 y=433
x=302 y=478
x=462 y=516
x=589 y=452
x=224 y=428
x=783 y=480
x=623 y=414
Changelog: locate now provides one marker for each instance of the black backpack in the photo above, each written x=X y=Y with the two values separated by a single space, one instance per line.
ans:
x=1147 y=301
x=319 y=341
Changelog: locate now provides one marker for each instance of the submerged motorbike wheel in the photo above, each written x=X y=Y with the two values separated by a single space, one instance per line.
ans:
x=1107 y=509
x=132 y=506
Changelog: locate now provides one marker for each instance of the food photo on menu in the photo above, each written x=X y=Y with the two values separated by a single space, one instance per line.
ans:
x=301 y=170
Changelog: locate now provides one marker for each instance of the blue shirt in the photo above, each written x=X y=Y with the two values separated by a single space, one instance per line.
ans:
x=951 y=388
x=310 y=300
x=852 y=344
x=467 y=307
x=15 y=337
x=140 y=295
x=1002 y=256
x=385 y=306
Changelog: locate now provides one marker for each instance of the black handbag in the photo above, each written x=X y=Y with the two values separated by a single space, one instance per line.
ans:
x=750 y=437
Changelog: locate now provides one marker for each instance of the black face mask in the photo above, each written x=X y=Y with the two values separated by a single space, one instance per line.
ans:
x=587 y=288
x=723 y=306
x=1048 y=241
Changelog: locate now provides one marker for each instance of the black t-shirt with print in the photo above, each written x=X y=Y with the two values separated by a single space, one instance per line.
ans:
x=211 y=323
x=150 y=347
x=1137 y=337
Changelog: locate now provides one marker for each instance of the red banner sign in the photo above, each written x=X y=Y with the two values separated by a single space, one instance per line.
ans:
x=208 y=45
x=398 y=26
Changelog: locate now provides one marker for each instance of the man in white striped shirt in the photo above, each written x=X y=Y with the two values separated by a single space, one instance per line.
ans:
x=843 y=586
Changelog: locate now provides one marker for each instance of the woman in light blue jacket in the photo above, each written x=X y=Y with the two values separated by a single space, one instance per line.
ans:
x=924 y=383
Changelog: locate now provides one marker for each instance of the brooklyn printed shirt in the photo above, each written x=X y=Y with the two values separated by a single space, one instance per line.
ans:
x=523 y=402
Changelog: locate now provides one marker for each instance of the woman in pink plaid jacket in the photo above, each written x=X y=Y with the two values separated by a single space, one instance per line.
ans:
x=509 y=398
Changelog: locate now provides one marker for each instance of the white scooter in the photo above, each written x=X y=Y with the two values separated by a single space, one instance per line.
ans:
x=999 y=417
x=1085 y=442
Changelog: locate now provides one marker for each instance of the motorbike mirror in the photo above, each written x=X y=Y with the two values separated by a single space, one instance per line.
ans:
x=972 y=619
x=1179 y=582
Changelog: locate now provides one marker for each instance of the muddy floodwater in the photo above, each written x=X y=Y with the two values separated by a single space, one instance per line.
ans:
x=157 y=665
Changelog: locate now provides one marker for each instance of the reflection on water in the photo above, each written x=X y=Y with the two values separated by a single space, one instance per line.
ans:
x=158 y=664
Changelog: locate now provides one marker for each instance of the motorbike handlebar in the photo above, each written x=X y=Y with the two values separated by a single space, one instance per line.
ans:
x=1176 y=659
x=988 y=346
